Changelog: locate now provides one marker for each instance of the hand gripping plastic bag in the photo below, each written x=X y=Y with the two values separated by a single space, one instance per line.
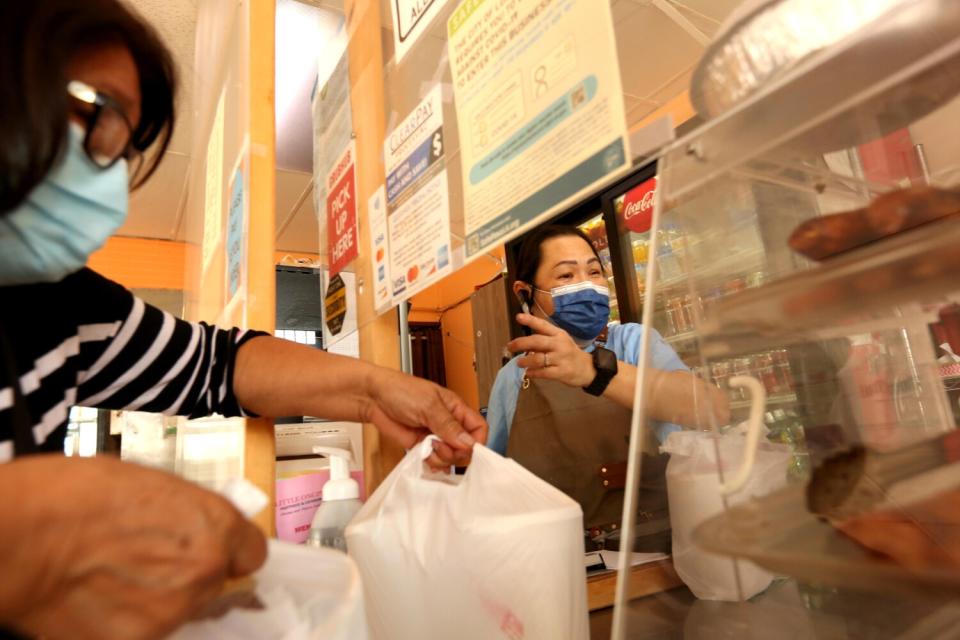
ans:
x=694 y=494
x=496 y=553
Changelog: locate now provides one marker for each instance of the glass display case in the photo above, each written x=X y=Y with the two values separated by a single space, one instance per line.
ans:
x=807 y=252
x=596 y=230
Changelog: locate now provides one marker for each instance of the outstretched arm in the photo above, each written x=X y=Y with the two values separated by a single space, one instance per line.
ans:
x=678 y=397
x=276 y=377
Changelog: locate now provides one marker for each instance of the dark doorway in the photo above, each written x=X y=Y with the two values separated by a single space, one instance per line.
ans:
x=426 y=351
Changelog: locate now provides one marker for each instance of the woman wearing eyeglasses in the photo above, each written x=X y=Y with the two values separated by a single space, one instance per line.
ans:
x=94 y=548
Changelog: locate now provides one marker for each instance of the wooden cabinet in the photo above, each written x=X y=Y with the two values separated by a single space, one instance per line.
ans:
x=491 y=324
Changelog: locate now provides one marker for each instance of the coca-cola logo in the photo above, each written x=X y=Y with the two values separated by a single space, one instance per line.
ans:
x=638 y=206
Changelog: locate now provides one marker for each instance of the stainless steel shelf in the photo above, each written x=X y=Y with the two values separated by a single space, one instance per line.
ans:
x=915 y=266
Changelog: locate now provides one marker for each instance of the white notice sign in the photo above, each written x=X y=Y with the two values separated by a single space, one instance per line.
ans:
x=379 y=249
x=410 y=21
x=539 y=108
x=418 y=207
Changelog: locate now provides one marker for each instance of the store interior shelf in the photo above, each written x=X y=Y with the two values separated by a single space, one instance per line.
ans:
x=686 y=336
x=740 y=263
x=920 y=264
x=778 y=533
x=772 y=400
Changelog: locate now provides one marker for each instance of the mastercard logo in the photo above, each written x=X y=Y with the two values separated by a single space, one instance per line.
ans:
x=380 y=254
x=413 y=273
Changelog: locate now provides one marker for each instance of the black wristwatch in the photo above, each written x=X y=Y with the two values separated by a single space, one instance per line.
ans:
x=605 y=362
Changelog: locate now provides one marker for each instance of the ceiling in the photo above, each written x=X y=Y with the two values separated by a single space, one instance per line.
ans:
x=658 y=42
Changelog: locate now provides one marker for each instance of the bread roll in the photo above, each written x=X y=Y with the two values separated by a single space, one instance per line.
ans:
x=891 y=213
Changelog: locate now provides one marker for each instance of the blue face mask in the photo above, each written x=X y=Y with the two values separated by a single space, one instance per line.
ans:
x=581 y=309
x=64 y=219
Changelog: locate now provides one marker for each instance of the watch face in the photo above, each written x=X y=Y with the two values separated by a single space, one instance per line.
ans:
x=605 y=359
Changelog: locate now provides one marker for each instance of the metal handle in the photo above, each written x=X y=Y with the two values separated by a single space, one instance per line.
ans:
x=758 y=402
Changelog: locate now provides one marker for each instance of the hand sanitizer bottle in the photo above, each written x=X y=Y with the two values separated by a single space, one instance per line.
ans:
x=341 y=501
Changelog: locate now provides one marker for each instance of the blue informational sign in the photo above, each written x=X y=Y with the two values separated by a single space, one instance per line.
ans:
x=235 y=239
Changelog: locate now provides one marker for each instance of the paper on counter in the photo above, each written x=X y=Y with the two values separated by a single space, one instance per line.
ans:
x=612 y=558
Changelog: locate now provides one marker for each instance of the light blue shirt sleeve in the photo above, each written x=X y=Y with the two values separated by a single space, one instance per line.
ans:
x=502 y=405
x=624 y=340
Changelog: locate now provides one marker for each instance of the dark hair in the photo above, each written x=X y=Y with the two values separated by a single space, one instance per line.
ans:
x=530 y=254
x=38 y=39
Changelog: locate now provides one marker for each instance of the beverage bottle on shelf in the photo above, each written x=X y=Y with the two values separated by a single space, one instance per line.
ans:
x=675 y=324
x=782 y=366
x=866 y=379
x=720 y=371
x=741 y=367
x=767 y=374
x=667 y=260
x=687 y=311
x=785 y=427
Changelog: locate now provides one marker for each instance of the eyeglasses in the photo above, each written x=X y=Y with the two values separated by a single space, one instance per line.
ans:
x=109 y=135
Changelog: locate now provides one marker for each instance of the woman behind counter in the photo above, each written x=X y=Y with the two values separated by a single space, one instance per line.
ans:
x=95 y=548
x=562 y=408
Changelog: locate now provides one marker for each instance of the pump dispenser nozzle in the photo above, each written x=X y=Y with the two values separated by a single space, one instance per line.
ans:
x=340 y=486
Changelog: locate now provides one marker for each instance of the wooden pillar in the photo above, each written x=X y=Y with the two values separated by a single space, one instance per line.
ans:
x=233 y=128
x=379 y=336
x=259 y=441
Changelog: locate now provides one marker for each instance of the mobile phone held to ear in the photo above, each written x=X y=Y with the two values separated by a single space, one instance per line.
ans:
x=524 y=297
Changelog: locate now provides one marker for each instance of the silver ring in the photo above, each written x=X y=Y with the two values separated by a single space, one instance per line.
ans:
x=546 y=362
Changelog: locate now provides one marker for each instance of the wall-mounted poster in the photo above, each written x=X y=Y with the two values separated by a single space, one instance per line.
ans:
x=236 y=236
x=539 y=108
x=332 y=127
x=342 y=235
x=339 y=309
x=410 y=21
x=418 y=205
x=379 y=250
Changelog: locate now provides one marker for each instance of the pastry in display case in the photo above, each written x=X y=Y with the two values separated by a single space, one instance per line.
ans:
x=815 y=280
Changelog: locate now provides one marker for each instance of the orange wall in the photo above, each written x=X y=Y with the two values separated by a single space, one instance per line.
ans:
x=679 y=107
x=434 y=304
x=144 y=263
x=140 y=263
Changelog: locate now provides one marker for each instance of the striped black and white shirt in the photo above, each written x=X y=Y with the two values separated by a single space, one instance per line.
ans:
x=88 y=341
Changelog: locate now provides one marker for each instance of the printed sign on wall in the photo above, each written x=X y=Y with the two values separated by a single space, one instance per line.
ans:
x=379 y=250
x=539 y=107
x=342 y=236
x=418 y=205
x=236 y=240
x=332 y=127
x=339 y=308
x=410 y=21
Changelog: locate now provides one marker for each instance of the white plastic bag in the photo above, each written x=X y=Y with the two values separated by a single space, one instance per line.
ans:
x=693 y=491
x=497 y=553
x=307 y=593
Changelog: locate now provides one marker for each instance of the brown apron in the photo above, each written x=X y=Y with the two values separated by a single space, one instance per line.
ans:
x=579 y=444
